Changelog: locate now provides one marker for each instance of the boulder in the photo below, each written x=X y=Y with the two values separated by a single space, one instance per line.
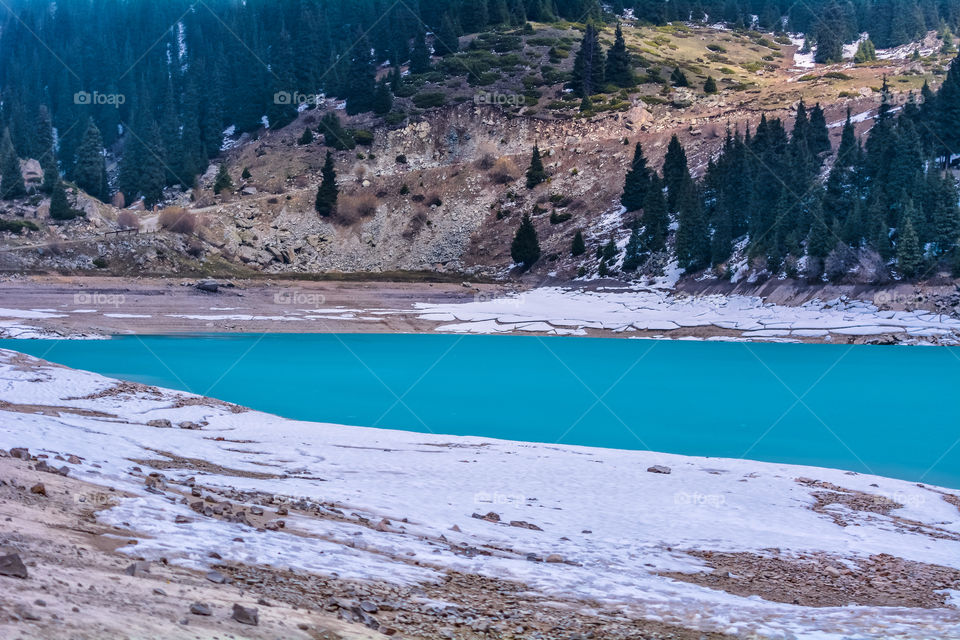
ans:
x=246 y=615
x=658 y=468
x=201 y=609
x=209 y=286
x=11 y=565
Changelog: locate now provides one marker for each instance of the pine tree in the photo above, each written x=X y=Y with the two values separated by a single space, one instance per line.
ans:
x=609 y=252
x=693 y=234
x=820 y=240
x=382 y=99
x=536 y=173
x=153 y=173
x=334 y=135
x=618 y=69
x=43 y=148
x=947 y=112
x=588 y=64
x=326 y=202
x=11 y=177
x=579 y=247
x=679 y=78
x=633 y=254
x=830 y=30
x=656 y=220
x=637 y=182
x=819 y=135
x=306 y=138
x=909 y=256
x=525 y=249
x=223 y=181
x=420 y=56
x=360 y=80
x=866 y=52
x=675 y=172
x=90 y=170
x=60 y=209
x=710 y=86
x=447 y=40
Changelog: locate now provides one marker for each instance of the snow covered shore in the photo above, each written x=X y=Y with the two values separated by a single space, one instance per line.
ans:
x=54 y=310
x=572 y=312
x=594 y=529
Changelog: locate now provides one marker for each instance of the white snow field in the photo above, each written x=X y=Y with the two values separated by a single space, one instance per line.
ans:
x=571 y=311
x=615 y=525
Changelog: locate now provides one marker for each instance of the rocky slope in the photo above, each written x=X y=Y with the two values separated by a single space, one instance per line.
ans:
x=429 y=193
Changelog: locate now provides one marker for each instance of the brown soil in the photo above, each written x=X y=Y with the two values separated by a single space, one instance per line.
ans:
x=820 y=580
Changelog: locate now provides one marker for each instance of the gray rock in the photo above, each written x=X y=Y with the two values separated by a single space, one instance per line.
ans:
x=216 y=577
x=201 y=609
x=209 y=286
x=11 y=565
x=161 y=423
x=137 y=569
x=192 y=426
x=658 y=468
x=246 y=615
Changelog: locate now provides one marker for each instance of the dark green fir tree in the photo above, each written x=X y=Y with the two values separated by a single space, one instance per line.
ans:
x=525 y=249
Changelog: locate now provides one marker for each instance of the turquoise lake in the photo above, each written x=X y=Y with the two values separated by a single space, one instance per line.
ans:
x=885 y=410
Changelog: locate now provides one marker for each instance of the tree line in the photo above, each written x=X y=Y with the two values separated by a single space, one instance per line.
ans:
x=890 y=201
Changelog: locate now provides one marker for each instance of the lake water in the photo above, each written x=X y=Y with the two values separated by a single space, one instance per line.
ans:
x=886 y=410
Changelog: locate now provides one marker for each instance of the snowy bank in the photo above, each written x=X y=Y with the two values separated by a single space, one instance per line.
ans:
x=590 y=527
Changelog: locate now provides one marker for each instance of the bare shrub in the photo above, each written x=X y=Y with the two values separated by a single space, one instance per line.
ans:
x=871 y=267
x=486 y=162
x=417 y=222
x=128 y=220
x=274 y=185
x=503 y=171
x=194 y=248
x=178 y=220
x=839 y=262
x=354 y=207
